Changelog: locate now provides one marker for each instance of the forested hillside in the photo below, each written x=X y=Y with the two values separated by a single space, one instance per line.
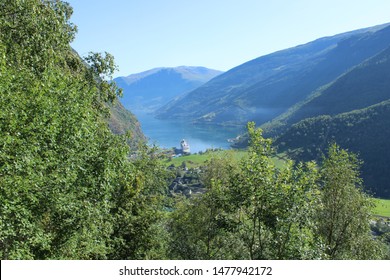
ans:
x=364 y=132
x=122 y=121
x=71 y=189
x=326 y=116
x=351 y=111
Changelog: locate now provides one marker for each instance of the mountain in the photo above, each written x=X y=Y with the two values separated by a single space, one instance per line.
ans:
x=352 y=111
x=364 y=85
x=151 y=89
x=268 y=86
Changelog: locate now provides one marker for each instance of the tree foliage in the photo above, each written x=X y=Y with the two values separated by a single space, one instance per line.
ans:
x=360 y=131
x=346 y=210
x=301 y=211
x=66 y=181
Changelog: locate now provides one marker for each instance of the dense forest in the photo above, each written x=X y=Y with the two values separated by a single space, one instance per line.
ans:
x=361 y=131
x=72 y=189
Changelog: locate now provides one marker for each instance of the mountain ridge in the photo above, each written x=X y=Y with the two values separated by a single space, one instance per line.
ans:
x=253 y=90
x=153 y=88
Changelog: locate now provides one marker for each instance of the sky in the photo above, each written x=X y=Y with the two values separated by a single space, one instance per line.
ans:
x=218 y=34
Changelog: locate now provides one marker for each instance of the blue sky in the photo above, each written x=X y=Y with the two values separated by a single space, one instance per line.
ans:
x=219 y=34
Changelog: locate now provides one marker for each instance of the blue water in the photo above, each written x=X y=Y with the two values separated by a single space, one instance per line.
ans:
x=169 y=133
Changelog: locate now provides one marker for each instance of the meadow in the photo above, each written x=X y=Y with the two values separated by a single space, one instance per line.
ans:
x=382 y=207
x=196 y=160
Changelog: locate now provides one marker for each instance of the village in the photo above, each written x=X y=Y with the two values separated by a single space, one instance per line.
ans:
x=187 y=173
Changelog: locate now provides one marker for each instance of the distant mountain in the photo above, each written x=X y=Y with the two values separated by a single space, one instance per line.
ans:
x=268 y=86
x=151 y=89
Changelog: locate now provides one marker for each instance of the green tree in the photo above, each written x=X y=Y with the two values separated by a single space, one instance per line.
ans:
x=275 y=206
x=202 y=227
x=346 y=210
x=138 y=209
x=251 y=210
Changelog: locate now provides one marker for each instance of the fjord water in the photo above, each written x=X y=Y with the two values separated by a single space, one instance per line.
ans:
x=169 y=133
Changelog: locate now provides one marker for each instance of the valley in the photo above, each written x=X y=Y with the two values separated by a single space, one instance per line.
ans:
x=333 y=89
x=140 y=167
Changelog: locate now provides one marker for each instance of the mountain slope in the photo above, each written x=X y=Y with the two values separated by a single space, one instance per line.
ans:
x=122 y=121
x=362 y=86
x=354 y=112
x=265 y=87
x=364 y=132
x=152 y=89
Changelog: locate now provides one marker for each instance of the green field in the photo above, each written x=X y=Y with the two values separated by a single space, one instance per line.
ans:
x=382 y=207
x=197 y=160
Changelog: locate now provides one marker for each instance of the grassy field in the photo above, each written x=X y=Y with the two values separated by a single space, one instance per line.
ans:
x=196 y=160
x=382 y=207
x=199 y=159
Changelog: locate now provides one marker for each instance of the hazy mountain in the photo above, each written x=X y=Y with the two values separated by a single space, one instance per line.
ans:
x=266 y=87
x=151 y=89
